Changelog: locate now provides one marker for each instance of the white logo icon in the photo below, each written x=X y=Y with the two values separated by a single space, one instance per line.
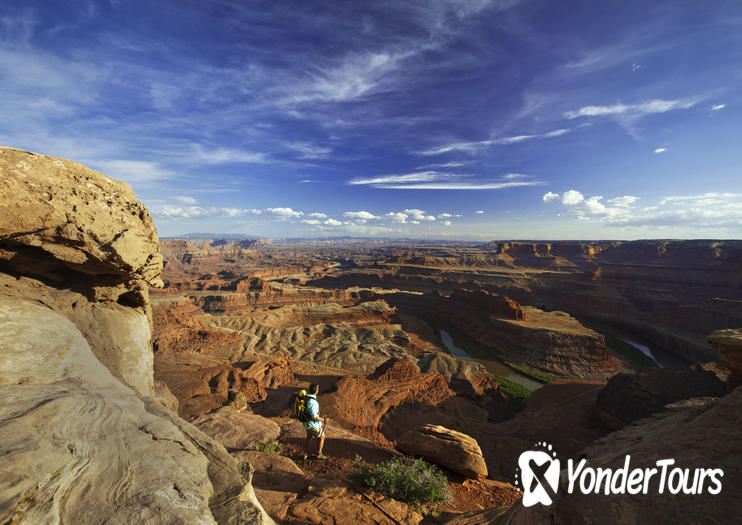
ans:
x=539 y=475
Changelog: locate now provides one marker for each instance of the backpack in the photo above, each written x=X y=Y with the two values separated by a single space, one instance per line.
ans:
x=301 y=411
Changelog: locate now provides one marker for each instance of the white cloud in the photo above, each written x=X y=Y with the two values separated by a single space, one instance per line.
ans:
x=185 y=200
x=572 y=197
x=309 y=151
x=550 y=196
x=313 y=222
x=709 y=211
x=333 y=222
x=718 y=107
x=190 y=212
x=421 y=176
x=419 y=215
x=660 y=150
x=626 y=200
x=447 y=223
x=480 y=212
x=317 y=215
x=513 y=176
x=557 y=132
x=132 y=170
x=452 y=164
x=458 y=185
x=225 y=156
x=284 y=213
x=397 y=216
x=357 y=75
x=444 y=215
x=359 y=215
x=644 y=108
x=473 y=147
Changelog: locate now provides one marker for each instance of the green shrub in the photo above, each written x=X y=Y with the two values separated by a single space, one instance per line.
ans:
x=406 y=479
x=271 y=446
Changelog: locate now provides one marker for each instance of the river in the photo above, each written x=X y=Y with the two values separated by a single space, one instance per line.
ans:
x=494 y=367
x=644 y=350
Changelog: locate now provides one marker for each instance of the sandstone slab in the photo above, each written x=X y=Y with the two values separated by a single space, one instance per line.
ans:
x=80 y=447
x=448 y=448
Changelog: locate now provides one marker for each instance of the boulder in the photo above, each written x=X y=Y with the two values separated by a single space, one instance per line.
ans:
x=447 y=448
x=237 y=430
x=65 y=216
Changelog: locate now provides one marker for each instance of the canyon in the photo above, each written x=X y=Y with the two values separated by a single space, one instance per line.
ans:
x=144 y=377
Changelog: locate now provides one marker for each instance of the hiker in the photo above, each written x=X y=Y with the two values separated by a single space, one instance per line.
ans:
x=314 y=425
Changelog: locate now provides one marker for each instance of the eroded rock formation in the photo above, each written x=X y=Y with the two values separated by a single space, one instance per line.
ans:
x=729 y=345
x=82 y=441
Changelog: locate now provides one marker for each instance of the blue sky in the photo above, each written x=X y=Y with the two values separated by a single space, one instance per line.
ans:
x=450 y=119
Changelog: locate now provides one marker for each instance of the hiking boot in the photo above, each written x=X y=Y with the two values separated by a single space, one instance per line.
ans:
x=321 y=456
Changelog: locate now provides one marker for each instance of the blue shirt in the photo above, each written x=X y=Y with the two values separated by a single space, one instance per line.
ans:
x=313 y=409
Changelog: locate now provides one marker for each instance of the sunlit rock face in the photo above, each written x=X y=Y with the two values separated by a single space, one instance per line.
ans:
x=83 y=441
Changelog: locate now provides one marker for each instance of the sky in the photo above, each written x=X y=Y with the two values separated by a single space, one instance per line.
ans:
x=437 y=119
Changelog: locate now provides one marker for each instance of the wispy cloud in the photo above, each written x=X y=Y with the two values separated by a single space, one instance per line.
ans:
x=308 y=150
x=718 y=107
x=421 y=176
x=133 y=170
x=660 y=150
x=459 y=185
x=226 y=155
x=473 y=147
x=641 y=109
x=435 y=180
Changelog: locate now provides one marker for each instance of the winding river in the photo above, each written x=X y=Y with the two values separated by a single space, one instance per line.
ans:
x=495 y=368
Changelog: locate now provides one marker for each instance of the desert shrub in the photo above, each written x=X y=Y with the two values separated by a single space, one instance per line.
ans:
x=271 y=446
x=406 y=479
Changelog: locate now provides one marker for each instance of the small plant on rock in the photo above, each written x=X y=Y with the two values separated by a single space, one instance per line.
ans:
x=271 y=446
x=406 y=479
